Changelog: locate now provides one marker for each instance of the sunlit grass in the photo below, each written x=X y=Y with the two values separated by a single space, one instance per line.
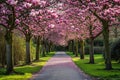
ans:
x=97 y=69
x=25 y=72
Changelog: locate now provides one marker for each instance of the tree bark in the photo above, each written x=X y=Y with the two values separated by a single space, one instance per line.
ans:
x=72 y=42
x=76 y=48
x=108 y=64
x=43 y=51
x=49 y=47
x=46 y=47
x=70 y=46
x=82 y=52
x=43 y=48
x=28 y=60
x=116 y=32
x=91 y=51
x=9 y=61
x=37 y=49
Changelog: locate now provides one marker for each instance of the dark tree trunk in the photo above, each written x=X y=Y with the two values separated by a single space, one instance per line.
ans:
x=70 y=46
x=3 y=56
x=37 y=48
x=116 y=32
x=9 y=61
x=43 y=48
x=46 y=48
x=72 y=42
x=76 y=48
x=49 y=47
x=28 y=60
x=43 y=51
x=108 y=64
x=91 y=51
x=3 y=60
x=82 y=51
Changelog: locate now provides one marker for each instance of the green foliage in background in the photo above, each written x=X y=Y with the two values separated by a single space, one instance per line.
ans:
x=19 y=49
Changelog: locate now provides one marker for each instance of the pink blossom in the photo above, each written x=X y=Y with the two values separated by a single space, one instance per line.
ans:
x=12 y=2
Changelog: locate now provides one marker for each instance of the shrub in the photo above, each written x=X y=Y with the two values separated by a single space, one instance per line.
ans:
x=115 y=50
x=98 y=42
x=97 y=50
x=18 y=49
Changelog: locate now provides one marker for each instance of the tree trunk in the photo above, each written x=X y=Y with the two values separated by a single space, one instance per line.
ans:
x=116 y=32
x=9 y=61
x=43 y=48
x=76 y=48
x=28 y=61
x=3 y=60
x=37 y=49
x=72 y=42
x=43 y=51
x=82 y=52
x=91 y=51
x=3 y=56
x=73 y=47
x=108 y=64
x=49 y=46
x=46 y=47
x=70 y=46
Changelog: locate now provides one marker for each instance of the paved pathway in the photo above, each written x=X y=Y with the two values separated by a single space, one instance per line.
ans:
x=60 y=67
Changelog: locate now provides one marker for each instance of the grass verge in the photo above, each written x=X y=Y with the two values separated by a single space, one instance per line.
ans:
x=97 y=70
x=27 y=70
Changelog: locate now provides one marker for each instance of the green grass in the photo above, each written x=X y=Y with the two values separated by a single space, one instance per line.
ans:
x=98 y=69
x=27 y=70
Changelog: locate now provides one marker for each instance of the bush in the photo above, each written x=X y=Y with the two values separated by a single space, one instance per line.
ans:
x=19 y=48
x=97 y=50
x=115 y=50
x=98 y=42
x=32 y=49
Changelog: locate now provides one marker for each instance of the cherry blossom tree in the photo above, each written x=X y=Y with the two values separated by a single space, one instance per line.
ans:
x=58 y=21
x=10 y=12
x=95 y=29
x=27 y=28
x=106 y=11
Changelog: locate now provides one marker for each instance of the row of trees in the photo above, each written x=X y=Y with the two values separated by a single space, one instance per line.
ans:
x=105 y=12
x=58 y=21
x=21 y=15
x=38 y=48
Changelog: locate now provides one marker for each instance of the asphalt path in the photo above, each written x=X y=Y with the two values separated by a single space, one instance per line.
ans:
x=60 y=67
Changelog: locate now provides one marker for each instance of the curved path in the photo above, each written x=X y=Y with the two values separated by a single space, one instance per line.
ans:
x=60 y=67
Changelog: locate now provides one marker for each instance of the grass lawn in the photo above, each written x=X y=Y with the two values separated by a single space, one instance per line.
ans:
x=97 y=69
x=27 y=70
